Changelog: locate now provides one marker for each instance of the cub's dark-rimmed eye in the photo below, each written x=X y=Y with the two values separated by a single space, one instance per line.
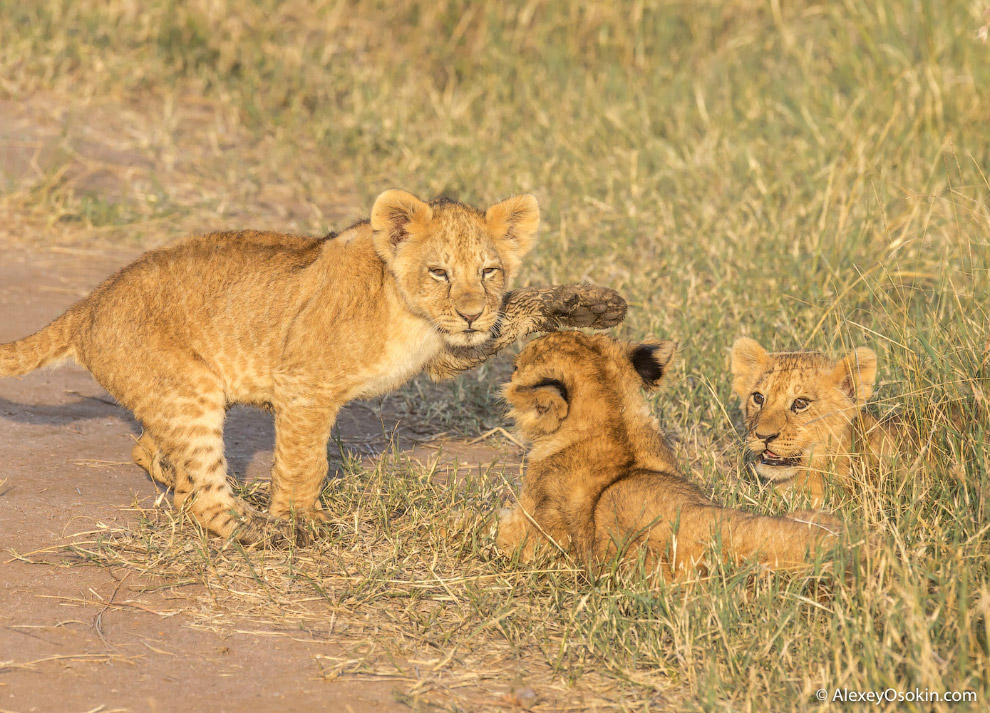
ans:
x=800 y=405
x=439 y=273
x=757 y=398
x=489 y=272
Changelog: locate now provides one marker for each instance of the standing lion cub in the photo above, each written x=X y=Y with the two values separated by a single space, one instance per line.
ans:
x=301 y=325
x=601 y=479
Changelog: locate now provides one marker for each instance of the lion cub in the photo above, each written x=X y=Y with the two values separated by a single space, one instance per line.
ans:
x=804 y=414
x=301 y=325
x=601 y=479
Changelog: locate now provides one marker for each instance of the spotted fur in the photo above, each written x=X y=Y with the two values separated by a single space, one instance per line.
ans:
x=302 y=326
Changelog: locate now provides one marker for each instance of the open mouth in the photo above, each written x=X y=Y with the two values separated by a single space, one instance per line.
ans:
x=773 y=460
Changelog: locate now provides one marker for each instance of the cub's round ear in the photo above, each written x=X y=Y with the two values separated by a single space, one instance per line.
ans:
x=395 y=216
x=749 y=360
x=856 y=373
x=539 y=409
x=651 y=359
x=513 y=224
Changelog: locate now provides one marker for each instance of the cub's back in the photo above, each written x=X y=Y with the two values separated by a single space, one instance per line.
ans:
x=223 y=295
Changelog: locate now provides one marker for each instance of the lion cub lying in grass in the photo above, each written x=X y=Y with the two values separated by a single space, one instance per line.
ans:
x=301 y=325
x=601 y=479
x=804 y=414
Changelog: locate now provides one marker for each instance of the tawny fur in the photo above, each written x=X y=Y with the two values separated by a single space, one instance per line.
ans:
x=601 y=479
x=302 y=326
x=804 y=415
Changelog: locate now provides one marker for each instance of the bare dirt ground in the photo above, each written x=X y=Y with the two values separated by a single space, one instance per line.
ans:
x=90 y=638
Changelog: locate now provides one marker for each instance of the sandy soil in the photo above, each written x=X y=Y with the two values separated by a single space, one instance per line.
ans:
x=85 y=638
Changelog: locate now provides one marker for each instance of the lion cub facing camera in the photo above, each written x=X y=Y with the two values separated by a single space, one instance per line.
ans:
x=804 y=415
x=601 y=479
x=301 y=325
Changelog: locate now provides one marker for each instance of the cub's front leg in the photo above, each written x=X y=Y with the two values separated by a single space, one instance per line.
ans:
x=535 y=309
x=522 y=530
x=301 y=436
x=515 y=533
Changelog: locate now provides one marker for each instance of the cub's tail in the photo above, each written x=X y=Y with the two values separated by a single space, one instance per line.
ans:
x=51 y=344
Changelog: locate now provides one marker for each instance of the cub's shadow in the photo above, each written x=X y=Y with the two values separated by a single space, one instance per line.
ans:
x=362 y=430
x=84 y=409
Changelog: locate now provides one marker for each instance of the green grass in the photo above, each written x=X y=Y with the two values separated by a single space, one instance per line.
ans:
x=812 y=174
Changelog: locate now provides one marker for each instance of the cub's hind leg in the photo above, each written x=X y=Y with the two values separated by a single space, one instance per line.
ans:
x=183 y=444
x=182 y=405
x=148 y=455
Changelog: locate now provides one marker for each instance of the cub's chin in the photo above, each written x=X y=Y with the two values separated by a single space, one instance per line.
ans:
x=776 y=469
x=467 y=338
x=776 y=473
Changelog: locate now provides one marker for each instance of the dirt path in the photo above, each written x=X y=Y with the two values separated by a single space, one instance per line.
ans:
x=85 y=638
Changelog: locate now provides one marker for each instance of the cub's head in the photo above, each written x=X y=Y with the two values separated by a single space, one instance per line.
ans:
x=453 y=263
x=570 y=380
x=799 y=406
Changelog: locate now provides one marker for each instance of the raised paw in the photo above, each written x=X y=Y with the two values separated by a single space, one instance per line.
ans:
x=585 y=305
